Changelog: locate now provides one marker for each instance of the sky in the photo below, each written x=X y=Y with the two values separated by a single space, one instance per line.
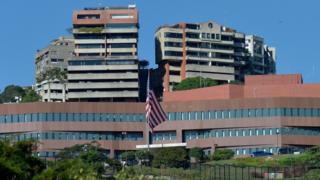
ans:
x=292 y=26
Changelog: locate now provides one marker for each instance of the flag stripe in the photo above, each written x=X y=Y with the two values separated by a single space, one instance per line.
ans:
x=154 y=112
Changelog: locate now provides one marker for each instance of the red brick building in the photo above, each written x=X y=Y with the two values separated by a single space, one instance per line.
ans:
x=268 y=112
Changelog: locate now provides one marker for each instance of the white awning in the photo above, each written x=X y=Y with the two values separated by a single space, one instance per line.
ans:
x=146 y=146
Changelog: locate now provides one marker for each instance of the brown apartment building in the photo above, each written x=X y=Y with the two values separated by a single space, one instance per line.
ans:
x=266 y=113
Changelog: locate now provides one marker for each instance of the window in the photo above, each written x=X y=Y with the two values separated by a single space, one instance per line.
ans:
x=185 y=116
x=172 y=116
x=121 y=16
x=172 y=35
x=199 y=116
x=213 y=115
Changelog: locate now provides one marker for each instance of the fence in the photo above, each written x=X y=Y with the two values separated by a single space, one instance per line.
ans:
x=229 y=172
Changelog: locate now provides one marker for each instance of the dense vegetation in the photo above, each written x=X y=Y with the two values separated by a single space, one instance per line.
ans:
x=17 y=160
x=89 y=161
x=193 y=83
x=13 y=93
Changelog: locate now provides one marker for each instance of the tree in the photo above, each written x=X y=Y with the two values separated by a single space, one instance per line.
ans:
x=85 y=161
x=55 y=74
x=222 y=154
x=17 y=160
x=30 y=96
x=129 y=157
x=144 y=157
x=194 y=82
x=12 y=93
x=170 y=157
x=196 y=153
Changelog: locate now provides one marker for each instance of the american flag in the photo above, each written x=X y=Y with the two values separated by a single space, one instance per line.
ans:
x=154 y=112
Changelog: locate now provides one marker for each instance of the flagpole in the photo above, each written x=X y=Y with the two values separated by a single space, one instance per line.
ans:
x=147 y=125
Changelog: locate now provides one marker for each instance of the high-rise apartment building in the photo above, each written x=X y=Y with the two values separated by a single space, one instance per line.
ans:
x=261 y=57
x=205 y=49
x=55 y=55
x=105 y=66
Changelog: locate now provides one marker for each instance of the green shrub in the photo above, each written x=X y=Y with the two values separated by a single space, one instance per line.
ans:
x=194 y=82
x=222 y=154
x=196 y=153
x=91 y=29
x=170 y=157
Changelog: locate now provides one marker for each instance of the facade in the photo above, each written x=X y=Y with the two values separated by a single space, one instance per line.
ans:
x=208 y=50
x=268 y=112
x=261 y=57
x=54 y=55
x=105 y=66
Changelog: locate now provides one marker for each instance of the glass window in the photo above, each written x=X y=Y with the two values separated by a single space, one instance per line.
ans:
x=104 y=117
x=49 y=116
x=116 y=117
x=252 y=113
x=91 y=117
x=42 y=117
x=97 y=117
x=213 y=115
x=272 y=112
x=192 y=116
x=281 y=111
x=219 y=114
x=56 y=117
x=315 y=112
x=178 y=116
x=63 y=117
x=225 y=114
x=199 y=116
x=265 y=112
x=185 y=116
x=70 y=117
x=245 y=113
x=287 y=112
x=22 y=118
x=2 y=119
x=301 y=112
x=295 y=112
x=76 y=117
x=239 y=113
x=308 y=112
x=232 y=113
x=83 y=117
x=258 y=112
x=15 y=118
x=34 y=117
x=205 y=115
x=172 y=116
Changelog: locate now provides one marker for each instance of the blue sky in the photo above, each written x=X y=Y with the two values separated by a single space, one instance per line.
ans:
x=292 y=26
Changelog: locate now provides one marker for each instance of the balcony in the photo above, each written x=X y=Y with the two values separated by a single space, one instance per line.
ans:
x=102 y=76
x=207 y=68
x=102 y=67
x=120 y=30
x=104 y=85
x=122 y=40
x=101 y=94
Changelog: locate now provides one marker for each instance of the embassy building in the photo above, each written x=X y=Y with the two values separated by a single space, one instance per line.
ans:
x=267 y=112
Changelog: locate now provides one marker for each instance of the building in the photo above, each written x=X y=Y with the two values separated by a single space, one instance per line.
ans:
x=55 y=55
x=261 y=57
x=105 y=66
x=268 y=112
x=209 y=50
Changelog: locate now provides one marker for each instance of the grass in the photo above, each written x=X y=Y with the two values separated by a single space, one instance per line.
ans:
x=269 y=161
